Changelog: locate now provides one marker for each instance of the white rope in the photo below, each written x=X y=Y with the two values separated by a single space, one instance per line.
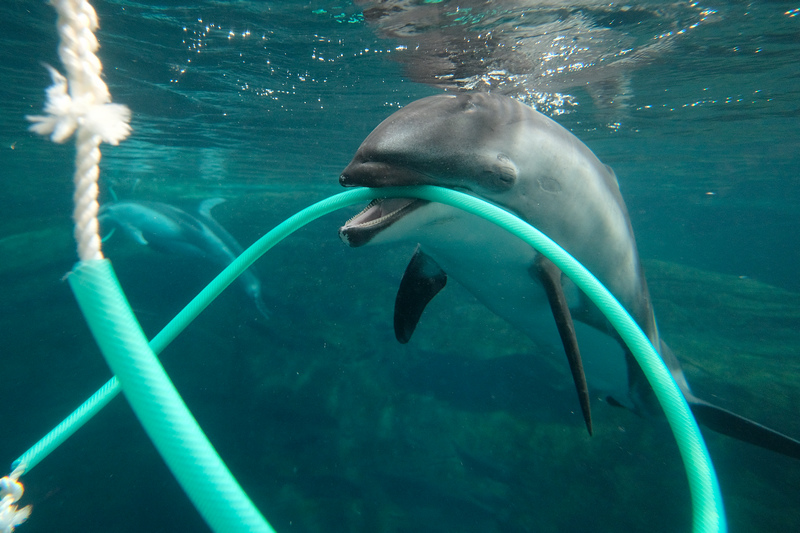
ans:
x=10 y=492
x=81 y=101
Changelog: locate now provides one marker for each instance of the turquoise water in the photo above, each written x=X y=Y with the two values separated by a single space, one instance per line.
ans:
x=328 y=423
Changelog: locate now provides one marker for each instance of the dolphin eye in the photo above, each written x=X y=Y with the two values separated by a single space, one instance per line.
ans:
x=506 y=171
x=500 y=175
x=467 y=103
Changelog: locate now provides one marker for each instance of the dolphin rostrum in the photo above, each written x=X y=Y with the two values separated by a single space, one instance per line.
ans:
x=503 y=151
x=168 y=229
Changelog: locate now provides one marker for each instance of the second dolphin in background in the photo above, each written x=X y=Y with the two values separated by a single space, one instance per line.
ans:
x=168 y=229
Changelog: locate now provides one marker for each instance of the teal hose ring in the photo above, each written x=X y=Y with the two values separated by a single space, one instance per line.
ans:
x=139 y=372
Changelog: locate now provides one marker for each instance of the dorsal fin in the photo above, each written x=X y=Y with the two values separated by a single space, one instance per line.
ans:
x=206 y=206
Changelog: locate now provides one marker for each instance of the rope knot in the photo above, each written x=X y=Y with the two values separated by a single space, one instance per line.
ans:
x=10 y=492
x=65 y=113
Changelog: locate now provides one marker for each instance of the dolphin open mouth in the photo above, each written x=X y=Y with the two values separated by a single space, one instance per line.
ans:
x=377 y=216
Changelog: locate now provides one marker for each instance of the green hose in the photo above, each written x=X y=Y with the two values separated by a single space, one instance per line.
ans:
x=195 y=463
x=166 y=419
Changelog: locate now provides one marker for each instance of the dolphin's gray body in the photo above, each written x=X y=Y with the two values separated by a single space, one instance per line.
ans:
x=169 y=229
x=503 y=151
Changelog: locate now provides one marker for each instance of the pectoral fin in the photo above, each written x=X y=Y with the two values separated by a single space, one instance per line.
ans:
x=550 y=277
x=136 y=234
x=422 y=280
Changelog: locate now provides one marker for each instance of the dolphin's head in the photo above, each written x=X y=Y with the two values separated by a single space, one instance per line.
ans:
x=116 y=215
x=455 y=141
x=444 y=140
x=154 y=224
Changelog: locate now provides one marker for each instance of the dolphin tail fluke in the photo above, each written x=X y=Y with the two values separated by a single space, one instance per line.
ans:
x=422 y=280
x=727 y=422
x=740 y=428
x=550 y=276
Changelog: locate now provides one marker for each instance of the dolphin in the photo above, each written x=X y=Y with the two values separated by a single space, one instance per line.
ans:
x=503 y=151
x=168 y=229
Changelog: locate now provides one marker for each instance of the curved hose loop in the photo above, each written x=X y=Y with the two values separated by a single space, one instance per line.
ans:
x=104 y=305
x=707 y=508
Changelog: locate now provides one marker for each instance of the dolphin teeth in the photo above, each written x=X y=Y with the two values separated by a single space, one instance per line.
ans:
x=379 y=210
x=376 y=217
